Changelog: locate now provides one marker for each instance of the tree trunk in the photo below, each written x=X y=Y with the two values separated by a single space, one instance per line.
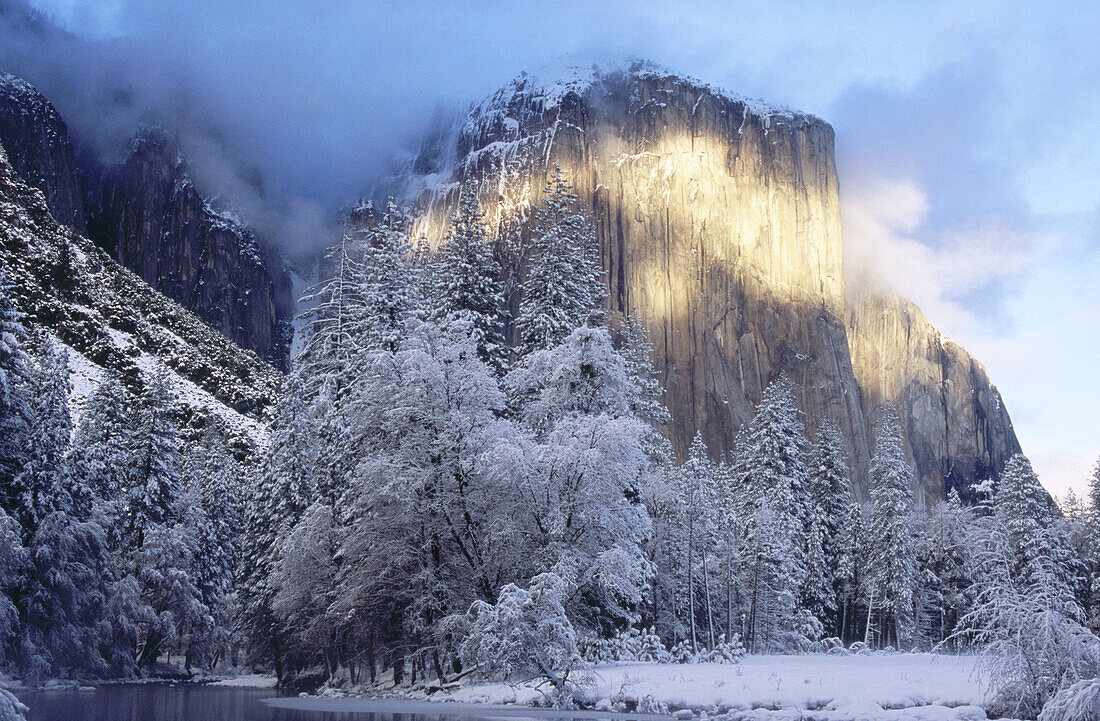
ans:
x=870 y=611
x=706 y=597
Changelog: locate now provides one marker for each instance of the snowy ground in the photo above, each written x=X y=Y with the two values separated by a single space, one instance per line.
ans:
x=901 y=687
x=252 y=680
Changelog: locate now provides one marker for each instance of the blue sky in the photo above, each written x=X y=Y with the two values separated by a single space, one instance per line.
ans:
x=966 y=135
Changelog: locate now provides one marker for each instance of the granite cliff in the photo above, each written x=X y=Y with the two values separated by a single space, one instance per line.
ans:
x=148 y=214
x=719 y=225
x=39 y=149
x=111 y=321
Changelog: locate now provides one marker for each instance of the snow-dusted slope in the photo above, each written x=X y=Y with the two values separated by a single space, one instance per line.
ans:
x=113 y=321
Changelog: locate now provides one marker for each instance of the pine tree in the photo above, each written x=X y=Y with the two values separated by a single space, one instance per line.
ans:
x=637 y=352
x=563 y=287
x=1027 y=514
x=338 y=318
x=282 y=491
x=101 y=449
x=390 y=293
x=829 y=490
x=60 y=604
x=696 y=482
x=155 y=465
x=943 y=552
x=465 y=281
x=213 y=516
x=891 y=565
x=849 y=566
x=770 y=465
x=1092 y=523
x=15 y=410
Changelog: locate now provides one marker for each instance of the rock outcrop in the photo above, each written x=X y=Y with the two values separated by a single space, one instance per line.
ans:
x=148 y=214
x=719 y=225
x=39 y=149
x=957 y=426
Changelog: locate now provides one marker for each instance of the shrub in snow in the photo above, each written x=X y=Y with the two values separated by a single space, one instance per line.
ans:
x=648 y=704
x=652 y=648
x=526 y=636
x=626 y=646
x=1079 y=702
x=682 y=653
x=830 y=645
x=859 y=648
x=597 y=650
x=725 y=652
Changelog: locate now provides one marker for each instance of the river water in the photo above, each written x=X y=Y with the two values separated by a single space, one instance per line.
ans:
x=195 y=702
x=172 y=702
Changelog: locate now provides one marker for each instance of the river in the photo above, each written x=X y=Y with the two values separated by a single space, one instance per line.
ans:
x=170 y=702
x=196 y=702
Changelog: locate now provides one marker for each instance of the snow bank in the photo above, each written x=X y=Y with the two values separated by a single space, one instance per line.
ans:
x=840 y=684
x=252 y=680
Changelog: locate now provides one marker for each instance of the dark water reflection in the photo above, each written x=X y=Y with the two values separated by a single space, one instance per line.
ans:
x=181 y=702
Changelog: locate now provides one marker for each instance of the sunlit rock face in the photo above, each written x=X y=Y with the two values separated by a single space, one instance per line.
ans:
x=39 y=149
x=719 y=225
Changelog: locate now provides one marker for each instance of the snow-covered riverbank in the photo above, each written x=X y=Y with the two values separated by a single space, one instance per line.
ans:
x=826 y=688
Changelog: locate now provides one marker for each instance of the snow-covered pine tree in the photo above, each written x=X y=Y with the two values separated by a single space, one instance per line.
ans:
x=1092 y=524
x=465 y=281
x=391 y=290
x=563 y=287
x=830 y=495
x=158 y=547
x=769 y=581
x=213 y=516
x=696 y=484
x=770 y=464
x=829 y=491
x=1026 y=512
x=336 y=321
x=101 y=449
x=1025 y=616
x=65 y=589
x=281 y=492
x=849 y=567
x=637 y=352
x=943 y=562
x=155 y=463
x=15 y=410
x=891 y=563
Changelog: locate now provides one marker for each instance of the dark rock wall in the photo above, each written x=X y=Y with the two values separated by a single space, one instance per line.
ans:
x=39 y=149
x=148 y=214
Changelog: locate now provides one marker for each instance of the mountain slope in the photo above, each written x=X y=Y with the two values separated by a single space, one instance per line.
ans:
x=718 y=221
x=147 y=212
x=112 y=320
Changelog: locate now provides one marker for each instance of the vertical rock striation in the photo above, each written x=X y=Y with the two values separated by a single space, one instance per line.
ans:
x=39 y=149
x=719 y=224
